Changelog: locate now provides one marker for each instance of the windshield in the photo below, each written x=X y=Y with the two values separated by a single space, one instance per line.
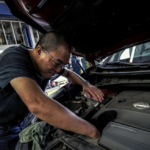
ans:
x=136 y=54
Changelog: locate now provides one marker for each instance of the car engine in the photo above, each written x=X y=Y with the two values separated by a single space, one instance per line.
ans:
x=122 y=116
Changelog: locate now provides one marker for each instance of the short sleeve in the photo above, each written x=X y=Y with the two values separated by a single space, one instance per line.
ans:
x=13 y=65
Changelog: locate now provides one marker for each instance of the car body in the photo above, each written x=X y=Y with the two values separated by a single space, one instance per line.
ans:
x=120 y=31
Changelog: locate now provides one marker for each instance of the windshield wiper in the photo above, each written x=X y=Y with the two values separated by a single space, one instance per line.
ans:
x=118 y=63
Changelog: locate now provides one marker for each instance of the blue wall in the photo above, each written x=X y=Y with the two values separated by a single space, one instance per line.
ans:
x=5 y=12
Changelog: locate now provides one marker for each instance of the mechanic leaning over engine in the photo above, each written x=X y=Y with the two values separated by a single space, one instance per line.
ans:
x=24 y=73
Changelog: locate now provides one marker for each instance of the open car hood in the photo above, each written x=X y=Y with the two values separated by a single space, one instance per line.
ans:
x=95 y=28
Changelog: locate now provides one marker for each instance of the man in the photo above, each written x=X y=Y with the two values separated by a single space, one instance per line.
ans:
x=23 y=74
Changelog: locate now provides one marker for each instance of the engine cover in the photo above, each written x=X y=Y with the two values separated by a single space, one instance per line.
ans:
x=127 y=138
x=127 y=113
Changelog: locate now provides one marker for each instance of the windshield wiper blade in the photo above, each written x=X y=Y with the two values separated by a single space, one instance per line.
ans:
x=118 y=63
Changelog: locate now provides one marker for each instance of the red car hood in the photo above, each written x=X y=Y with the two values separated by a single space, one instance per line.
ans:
x=95 y=28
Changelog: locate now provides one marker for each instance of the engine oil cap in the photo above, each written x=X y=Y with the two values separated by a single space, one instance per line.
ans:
x=141 y=105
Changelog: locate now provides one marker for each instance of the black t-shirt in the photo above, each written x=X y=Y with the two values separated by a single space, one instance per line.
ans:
x=15 y=62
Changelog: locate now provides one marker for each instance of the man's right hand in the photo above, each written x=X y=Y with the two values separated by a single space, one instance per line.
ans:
x=94 y=133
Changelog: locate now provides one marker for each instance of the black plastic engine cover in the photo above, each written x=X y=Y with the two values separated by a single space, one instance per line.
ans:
x=121 y=137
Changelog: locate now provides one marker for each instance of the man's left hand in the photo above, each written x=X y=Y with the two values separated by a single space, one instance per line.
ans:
x=93 y=91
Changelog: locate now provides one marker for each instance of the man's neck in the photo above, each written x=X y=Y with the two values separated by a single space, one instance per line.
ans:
x=31 y=53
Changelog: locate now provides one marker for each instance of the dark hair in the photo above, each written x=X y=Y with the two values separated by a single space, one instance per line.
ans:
x=51 y=40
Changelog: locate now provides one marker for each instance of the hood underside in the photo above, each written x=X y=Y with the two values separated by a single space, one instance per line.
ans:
x=95 y=28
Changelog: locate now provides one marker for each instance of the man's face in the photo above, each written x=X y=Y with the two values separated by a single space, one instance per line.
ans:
x=53 y=62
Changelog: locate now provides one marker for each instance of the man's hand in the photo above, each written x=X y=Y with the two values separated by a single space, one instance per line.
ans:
x=88 y=89
x=95 y=134
x=93 y=91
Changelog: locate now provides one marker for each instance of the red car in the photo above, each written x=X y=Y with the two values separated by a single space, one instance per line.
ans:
x=52 y=83
x=120 y=31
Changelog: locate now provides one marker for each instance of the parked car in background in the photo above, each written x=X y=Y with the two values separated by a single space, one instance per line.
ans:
x=61 y=80
x=51 y=84
x=120 y=31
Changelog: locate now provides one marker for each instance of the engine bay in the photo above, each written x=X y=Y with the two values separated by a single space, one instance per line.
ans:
x=122 y=116
x=127 y=112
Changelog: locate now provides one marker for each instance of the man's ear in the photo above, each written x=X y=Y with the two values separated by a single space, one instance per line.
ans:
x=38 y=51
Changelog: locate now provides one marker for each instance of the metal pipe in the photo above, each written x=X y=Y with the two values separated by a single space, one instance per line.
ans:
x=4 y=33
x=13 y=33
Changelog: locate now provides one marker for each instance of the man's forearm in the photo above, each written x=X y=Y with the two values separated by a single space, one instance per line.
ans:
x=57 y=115
x=50 y=110
x=75 y=78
